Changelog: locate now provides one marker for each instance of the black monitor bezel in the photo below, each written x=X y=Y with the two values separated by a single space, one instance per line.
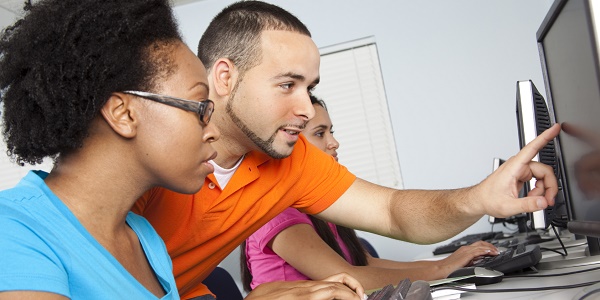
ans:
x=545 y=27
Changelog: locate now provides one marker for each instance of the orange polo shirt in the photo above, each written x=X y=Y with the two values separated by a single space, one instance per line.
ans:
x=200 y=230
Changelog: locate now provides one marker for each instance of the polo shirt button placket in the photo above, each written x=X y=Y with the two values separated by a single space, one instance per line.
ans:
x=211 y=185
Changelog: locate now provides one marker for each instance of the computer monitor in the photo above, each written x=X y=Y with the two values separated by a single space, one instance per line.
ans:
x=568 y=47
x=533 y=118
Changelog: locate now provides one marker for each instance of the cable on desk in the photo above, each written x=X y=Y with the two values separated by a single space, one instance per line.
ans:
x=553 y=250
x=552 y=275
x=596 y=291
x=565 y=253
x=560 y=241
x=533 y=289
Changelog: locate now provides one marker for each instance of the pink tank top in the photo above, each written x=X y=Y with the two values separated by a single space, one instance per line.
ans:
x=264 y=264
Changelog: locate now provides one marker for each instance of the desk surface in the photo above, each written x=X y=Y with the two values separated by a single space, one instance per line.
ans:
x=536 y=282
x=540 y=282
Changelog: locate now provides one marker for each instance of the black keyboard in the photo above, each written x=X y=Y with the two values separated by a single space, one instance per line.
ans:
x=515 y=258
x=505 y=243
x=466 y=240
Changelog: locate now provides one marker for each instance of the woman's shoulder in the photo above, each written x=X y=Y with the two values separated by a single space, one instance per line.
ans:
x=291 y=215
x=285 y=219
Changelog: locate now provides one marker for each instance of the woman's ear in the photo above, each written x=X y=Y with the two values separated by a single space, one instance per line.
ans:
x=224 y=76
x=121 y=115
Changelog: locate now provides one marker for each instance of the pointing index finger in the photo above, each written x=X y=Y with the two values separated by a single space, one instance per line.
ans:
x=534 y=147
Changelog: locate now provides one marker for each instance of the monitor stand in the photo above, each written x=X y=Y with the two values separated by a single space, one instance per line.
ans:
x=581 y=257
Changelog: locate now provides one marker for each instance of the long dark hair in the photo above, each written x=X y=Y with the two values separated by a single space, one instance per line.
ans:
x=347 y=235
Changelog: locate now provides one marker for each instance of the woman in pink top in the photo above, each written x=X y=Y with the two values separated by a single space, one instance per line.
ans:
x=297 y=246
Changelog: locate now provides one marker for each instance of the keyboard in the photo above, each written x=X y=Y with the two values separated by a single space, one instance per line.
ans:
x=466 y=240
x=505 y=243
x=515 y=258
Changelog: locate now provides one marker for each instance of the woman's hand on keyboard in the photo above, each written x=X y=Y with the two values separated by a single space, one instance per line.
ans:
x=466 y=255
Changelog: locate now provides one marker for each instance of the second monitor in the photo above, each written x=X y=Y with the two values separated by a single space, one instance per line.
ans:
x=533 y=118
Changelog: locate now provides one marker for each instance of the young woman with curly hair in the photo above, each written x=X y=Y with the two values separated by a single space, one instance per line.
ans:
x=110 y=92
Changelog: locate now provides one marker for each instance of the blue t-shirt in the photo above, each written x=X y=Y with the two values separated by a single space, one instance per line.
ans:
x=43 y=247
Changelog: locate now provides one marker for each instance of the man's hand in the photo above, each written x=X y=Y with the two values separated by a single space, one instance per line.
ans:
x=498 y=194
x=340 y=286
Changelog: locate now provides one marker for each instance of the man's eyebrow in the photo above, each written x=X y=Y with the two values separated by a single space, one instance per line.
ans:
x=296 y=76
x=290 y=75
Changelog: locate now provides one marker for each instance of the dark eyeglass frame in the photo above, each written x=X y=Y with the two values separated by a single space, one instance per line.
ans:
x=203 y=108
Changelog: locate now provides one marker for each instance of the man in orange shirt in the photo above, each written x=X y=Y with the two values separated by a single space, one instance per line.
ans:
x=262 y=65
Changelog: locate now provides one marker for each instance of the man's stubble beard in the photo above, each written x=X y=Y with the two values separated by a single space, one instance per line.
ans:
x=265 y=146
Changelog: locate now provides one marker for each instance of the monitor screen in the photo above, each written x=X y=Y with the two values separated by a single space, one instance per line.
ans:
x=567 y=41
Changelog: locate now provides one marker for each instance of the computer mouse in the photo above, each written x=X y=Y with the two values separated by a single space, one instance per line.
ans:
x=478 y=275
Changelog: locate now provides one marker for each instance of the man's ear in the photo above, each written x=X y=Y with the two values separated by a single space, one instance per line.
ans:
x=120 y=115
x=224 y=75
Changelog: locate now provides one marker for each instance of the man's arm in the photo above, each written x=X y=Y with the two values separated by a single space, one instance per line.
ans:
x=424 y=217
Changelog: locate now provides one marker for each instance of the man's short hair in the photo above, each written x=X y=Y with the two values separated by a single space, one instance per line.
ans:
x=235 y=33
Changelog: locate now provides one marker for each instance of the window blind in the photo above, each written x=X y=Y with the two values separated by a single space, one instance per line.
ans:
x=353 y=89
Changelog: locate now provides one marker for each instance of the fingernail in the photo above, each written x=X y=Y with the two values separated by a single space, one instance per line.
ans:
x=541 y=203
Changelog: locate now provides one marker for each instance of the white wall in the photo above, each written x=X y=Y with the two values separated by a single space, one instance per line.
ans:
x=450 y=70
x=6 y=17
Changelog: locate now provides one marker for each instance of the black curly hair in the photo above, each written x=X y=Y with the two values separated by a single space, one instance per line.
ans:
x=62 y=60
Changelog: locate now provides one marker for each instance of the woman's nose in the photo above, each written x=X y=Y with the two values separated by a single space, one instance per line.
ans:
x=211 y=133
x=333 y=143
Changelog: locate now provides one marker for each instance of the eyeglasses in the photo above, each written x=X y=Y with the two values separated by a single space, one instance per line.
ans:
x=204 y=108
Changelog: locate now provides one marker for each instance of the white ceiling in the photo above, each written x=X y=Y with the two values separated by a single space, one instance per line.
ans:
x=16 y=6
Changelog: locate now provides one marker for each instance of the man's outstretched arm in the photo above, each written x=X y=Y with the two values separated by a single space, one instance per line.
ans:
x=423 y=216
